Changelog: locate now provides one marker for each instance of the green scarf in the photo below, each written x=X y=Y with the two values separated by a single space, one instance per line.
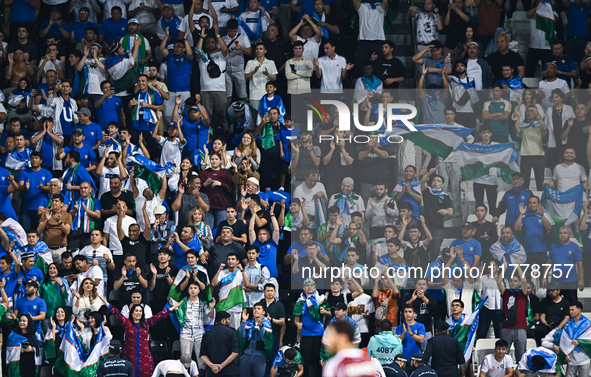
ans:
x=135 y=111
x=141 y=50
x=268 y=139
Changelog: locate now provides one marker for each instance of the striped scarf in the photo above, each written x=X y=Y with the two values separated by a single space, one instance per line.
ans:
x=142 y=49
x=253 y=36
x=345 y=204
x=148 y=115
x=251 y=325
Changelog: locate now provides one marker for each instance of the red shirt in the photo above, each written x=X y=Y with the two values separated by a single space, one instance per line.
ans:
x=520 y=299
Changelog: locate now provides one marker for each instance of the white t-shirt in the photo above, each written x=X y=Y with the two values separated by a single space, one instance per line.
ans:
x=494 y=368
x=331 y=81
x=427 y=28
x=361 y=304
x=207 y=83
x=548 y=86
x=568 y=176
x=235 y=59
x=371 y=22
x=110 y=228
x=105 y=178
x=302 y=191
x=259 y=80
x=184 y=26
x=102 y=251
x=94 y=272
x=50 y=66
x=95 y=76
x=147 y=311
x=217 y=5
x=311 y=48
x=144 y=17
x=465 y=294
x=139 y=203
x=171 y=150
x=537 y=38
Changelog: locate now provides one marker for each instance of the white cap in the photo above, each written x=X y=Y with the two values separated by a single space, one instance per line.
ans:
x=253 y=180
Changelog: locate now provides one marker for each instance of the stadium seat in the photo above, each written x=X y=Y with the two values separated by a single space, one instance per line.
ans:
x=176 y=349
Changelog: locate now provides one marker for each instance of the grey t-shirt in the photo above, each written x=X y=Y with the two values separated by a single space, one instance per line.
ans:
x=434 y=78
x=188 y=202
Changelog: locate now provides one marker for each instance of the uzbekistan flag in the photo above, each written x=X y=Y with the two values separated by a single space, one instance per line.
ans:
x=149 y=171
x=250 y=326
x=43 y=257
x=71 y=359
x=564 y=207
x=466 y=332
x=551 y=365
x=475 y=160
x=434 y=138
x=175 y=292
x=13 y=353
x=15 y=232
x=545 y=20
x=400 y=270
x=231 y=291
x=581 y=332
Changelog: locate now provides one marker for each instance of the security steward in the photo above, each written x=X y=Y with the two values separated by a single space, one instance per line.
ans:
x=419 y=367
x=115 y=366
x=449 y=353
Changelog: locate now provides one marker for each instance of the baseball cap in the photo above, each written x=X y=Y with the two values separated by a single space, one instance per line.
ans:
x=173 y=124
x=553 y=285
x=170 y=46
x=196 y=108
x=229 y=228
x=159 y=210
x=133 y=21
x=84 y=111
x=417 y=357
x=114 y=344
x=400 y=357
x=442 y=325
x=78 y=130
x=167 y=5
x=340 y=306
x=468 y=225
x=32 y=283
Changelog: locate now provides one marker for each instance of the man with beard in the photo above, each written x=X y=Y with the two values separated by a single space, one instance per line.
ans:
x=551 y=82
x=32 y=304
x=568 y=174
x=144 y=107
x=64 y=109
x=110 y=199
x=504 y=56
x=437 y=207
x=381 y=210
x=32 y=182
x=132 y=37
x=189 y=197
x=409 y=190
x=435 y=64
x=463 y=94
x=195 y=127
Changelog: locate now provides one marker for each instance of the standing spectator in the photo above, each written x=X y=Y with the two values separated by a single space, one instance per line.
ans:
x=495 y=113
x=276 y=314
x=428 y=24
x=551 y=82
x=255 y=331
x=184 y=203
x=485 y=231
x=515 y=302
x=512 y=200
x=31 y=304
x=144 y=106
x=219 y=347
x=331 y=69
x=170 y=19
x=274 y=137
x=310 y=36
x=257 y=274
x=389 y=69
x=372 y=164
x=576 y=33
x=490 y=15
x=179 y=65
x=195 y=127
x=298 y=71
x=109 y=107
x=259 y=71
x=232 y=281
x=213 y=80
x=347 y=201
x=32 y=181
x=409 y=190
x=486 y=183
x=566 y=66
x=575 y=135
x=254 y=21
x=129 y=40
x=563 y=256
x=114 y=23
x=64 y=109
x=82 y=22
x=435 y=63
x=531 y=131
x=568 y=174
x=504 y=57
x=55 y=227
x=381 y=211
x=110 y=199
x=455 y=16
x=371 y=30
x=437 y=207
x=539 y=48
x=85 y=212
x=306 y=157
x=239 y=46
x=578 y=360
x=534 y=231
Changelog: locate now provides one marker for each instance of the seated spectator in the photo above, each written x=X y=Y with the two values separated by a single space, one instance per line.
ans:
x=551 y=82
x=497 y=360
x=97 y=254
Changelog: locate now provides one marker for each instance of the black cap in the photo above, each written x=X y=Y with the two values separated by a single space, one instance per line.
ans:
x=32 y=283
x=80 y=96
x=436 y=44
x=114 y=344
x=442 y=326
x=221 y=315
x=340 y=306
x=468 y=225
x=417 y=357
x=553 y=285
x=445 y=252
x=400 y=357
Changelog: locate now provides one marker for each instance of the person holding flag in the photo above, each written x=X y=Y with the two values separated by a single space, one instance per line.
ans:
x=508 y=249
x=409 y=190
x=232 y=281
x=257 y=333
x=85 y=212
x=144 y=107
x=574 y=342
x=347 y=201
x=191 y=273
x=24 y=349
x=255 y=21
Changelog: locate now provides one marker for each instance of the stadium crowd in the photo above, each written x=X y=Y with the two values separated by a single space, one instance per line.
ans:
x=162 y=212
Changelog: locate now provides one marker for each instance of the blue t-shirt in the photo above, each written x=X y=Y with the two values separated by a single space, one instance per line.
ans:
x=8 y=133
x=33 y=307
x=409 y=345
x=268 y=256
x=268 y=4
x=113 y=30
x=93 y=133
x=565 y=258
x=577 y=20
x=180 y=258
x=109 y=111
x=55 y=28
x=22 y=12
x=172 y=25
x=4 y=173
x=11 y=281
x=6 y=204
x=308 y=7
x=33 y=198
x=195 y=134
x=87 y=155
x=141 y=124
x=311 y=326
x=470 y=248
x=512 y=201
x=34 y=274
x=178 y=78
x=45 y=88
x=534 y=234
x=79 y=29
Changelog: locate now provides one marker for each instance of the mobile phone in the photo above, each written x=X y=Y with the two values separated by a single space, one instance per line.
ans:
x=25 y=345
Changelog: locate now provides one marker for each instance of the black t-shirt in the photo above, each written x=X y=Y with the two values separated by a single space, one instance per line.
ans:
x=416 y=254
x=373 y=169
x=433 y=203
x=30 y=47
x=456 y=33
x=140 y=248
x=337 y=168
x=160 y=292
x=218 y=254
x=129 y=285
x=498 y=60
x=425 y=312
x=491 y=231
x=64 y=272
x=555 y=311
x=333 y=300
x=276 y=311
x=389 y=69
x=108 y=201
x=262 y=214
x=239 y=227
x=577 y=139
